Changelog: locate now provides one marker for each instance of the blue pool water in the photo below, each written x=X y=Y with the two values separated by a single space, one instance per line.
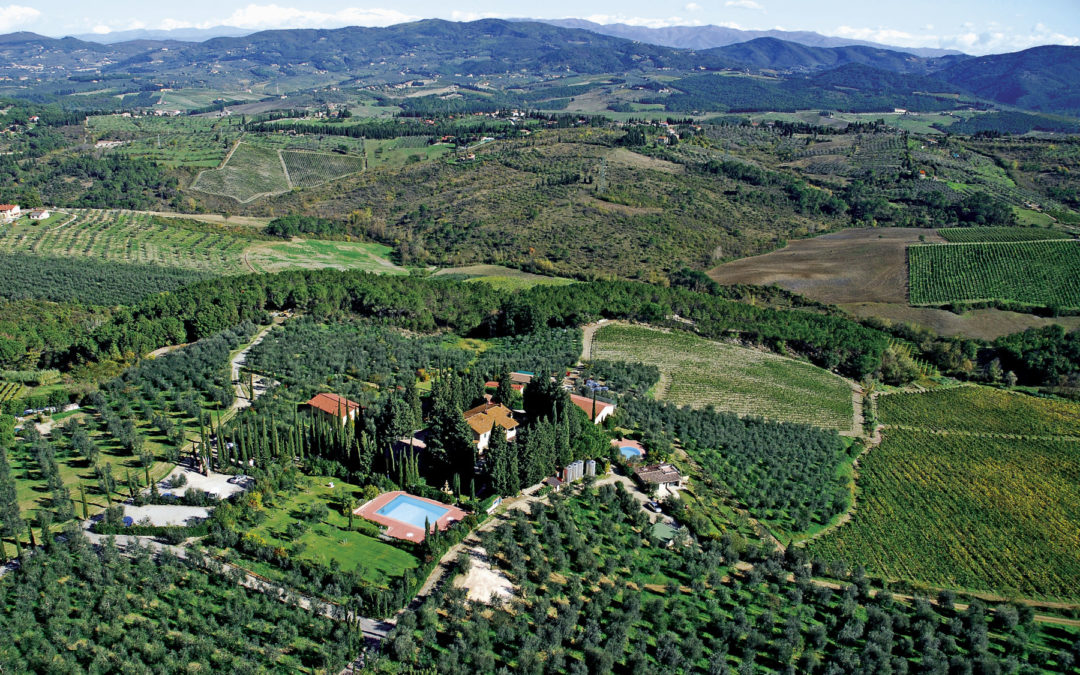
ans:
x=409 y=509
x=629 y=452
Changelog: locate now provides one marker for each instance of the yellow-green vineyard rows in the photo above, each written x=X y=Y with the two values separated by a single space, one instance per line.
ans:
x=981 y=410
x=958 y=235
x=971 y=513
x=129 y=237
x=1042 y=273
x=308 y=169
x=10 y=390
x=744 y=381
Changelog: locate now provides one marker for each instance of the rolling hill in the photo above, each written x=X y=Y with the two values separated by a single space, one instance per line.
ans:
x=708 y=37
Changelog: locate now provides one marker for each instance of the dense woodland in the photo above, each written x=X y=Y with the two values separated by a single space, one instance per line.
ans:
x=87 y=281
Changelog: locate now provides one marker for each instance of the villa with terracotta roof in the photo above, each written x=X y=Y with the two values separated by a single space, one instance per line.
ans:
x=334 y=406
x=483 y=418
x=9 y=212
x=597 y=414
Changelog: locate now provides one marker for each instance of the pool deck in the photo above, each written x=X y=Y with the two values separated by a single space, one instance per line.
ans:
x=627 y=443
x=403 y=530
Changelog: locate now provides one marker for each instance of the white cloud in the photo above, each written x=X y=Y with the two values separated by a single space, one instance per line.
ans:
x=642 y=21
x=693 y=7
x=275 y=16
x=16 y=16
x=743 y=4
x=990 y=40
x=458 y=15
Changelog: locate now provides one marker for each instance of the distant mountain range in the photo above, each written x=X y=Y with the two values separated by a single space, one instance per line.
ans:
x=708 y=37
x=1045 y=79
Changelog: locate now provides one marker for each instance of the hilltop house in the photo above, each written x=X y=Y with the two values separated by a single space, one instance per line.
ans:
x=334 y=406
x=597 y=410
x=660 y=475
x=484 y=418
x=9 y=212
x=40 y=214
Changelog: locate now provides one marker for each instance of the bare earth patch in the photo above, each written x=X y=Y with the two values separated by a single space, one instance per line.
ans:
x=864 y=265
x=484 y=584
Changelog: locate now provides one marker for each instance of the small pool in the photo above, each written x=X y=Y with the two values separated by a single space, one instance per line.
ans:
x=413 y=511
x=630 y=452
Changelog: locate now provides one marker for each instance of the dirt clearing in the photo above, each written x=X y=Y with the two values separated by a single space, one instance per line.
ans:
x=864 y=265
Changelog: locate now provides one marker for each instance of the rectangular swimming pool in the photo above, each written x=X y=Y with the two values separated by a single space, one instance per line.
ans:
x=412 y=511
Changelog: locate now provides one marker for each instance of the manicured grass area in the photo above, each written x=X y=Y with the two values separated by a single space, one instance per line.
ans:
x=312 y=253
x=504 y=278
x=251 y=172
x=744 y=381
x=1042 y=273
x=982 y=410
x=977 y=513
x=330 y=539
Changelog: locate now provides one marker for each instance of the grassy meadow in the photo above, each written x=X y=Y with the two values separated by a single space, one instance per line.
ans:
x=698 y=372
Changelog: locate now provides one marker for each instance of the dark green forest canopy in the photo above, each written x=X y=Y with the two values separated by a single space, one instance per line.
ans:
x=86 y=281
x=422 y=304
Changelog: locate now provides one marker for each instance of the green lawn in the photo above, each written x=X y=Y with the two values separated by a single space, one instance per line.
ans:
x=331 y=539
x=503 y=278
x=312 y=253
x=744 y=381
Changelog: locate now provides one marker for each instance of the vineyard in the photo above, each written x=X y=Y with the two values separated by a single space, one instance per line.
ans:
x=308 y=169
x=981 y=410
x=953 y=511
x=131 y=237
x=966 y=235
x=251 y=172
x=1040 y=273
x=10 y=390
x=743 y=381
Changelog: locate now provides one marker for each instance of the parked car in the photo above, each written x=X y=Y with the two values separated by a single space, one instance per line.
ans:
x=653 y=506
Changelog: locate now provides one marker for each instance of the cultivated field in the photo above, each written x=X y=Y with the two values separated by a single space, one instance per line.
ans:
x=125 y=236
x=308 y=169
x=744 y=381
x=174 y=141
x=254 y=171
x=866 y=265
x=9 y=390
x=251 y=172
x=982 y=410
x=129 y=237
x=977 y=513
x=959 y=235
x=1040 y=273
x=312 y=254
x=505 y=278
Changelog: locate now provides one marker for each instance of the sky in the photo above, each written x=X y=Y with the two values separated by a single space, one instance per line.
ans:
x=972 y=26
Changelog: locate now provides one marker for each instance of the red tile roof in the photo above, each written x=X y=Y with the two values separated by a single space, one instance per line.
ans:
x=586 y=404
x=8 y=207
x=332 y=404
